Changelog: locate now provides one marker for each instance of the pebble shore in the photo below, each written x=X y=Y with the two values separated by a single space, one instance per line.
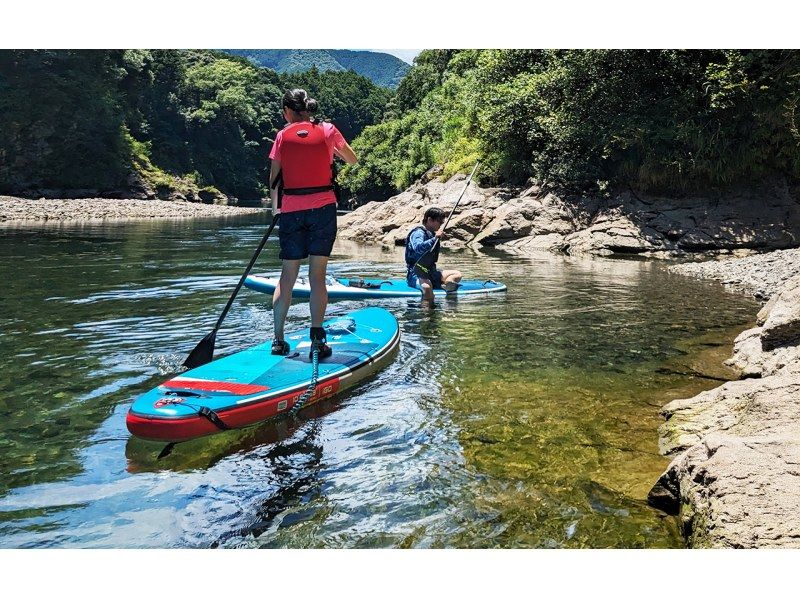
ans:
x=761 y=274
x=18 y=210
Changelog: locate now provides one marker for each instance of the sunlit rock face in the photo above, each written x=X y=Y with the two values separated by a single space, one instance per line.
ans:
x=523 y=220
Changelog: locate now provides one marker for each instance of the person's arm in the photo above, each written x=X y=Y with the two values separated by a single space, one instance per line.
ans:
x=273 y=192
x=346 y=153
x=419 y=244
x=338 y=144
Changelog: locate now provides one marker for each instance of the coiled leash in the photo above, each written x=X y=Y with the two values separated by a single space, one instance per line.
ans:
x=312 y=386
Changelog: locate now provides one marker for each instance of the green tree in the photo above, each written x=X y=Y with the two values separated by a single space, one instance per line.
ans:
x=60 y=120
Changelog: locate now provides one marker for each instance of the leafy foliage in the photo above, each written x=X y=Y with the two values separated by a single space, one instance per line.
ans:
x=349 y=100
x=665 y=120
x=179 y=119
x=60 y=119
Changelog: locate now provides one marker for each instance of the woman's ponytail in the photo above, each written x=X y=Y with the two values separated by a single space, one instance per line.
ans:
x=298 y=100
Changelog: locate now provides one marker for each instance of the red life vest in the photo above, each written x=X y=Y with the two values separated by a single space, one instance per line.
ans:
x=305 y=159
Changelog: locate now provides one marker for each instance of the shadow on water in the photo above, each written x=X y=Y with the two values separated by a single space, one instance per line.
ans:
x=524 y=420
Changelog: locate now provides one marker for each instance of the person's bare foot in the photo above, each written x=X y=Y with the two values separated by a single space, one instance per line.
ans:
x=449 y=286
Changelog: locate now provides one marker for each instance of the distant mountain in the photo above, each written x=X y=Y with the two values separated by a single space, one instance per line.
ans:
x=383 y=69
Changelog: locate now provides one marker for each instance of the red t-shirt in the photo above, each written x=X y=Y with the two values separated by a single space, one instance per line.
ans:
x=295 y=203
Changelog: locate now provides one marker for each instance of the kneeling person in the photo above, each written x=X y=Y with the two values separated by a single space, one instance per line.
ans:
x=421 y=241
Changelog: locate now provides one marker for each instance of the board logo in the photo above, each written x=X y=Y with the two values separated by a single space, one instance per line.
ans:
x=168 y=401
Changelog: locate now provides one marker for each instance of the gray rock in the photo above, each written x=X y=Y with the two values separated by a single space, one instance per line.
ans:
x=735 y=491
x=763 y=313
x=748 y=354
x=761 y=274
x=782 y=323
x=744 y=407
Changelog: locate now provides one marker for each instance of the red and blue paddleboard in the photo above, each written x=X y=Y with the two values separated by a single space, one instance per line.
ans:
x=253 y=385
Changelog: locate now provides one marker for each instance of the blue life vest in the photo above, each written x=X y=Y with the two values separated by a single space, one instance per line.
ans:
x=413 y=256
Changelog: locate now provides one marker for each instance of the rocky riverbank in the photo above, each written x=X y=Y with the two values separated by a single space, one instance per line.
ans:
x=735 y=477
x=18 y=210
x=762 y=274
x=522 y=220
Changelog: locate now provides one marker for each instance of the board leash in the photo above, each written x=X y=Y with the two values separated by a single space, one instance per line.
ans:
x=312 y=386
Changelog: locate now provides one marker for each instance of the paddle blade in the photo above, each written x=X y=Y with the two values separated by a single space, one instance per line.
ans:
x=165 y=452
x=203 y=353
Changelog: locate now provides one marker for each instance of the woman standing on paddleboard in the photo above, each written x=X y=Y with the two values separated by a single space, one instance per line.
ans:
x=302 y=182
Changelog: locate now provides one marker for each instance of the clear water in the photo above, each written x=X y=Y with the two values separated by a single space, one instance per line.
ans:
x=521 y=420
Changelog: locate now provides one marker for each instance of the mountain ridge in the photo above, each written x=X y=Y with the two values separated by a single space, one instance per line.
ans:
x=383 y=69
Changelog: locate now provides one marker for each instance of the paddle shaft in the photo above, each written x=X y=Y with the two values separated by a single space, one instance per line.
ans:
x=246 y=272
x=469 y=179
x=466 y=186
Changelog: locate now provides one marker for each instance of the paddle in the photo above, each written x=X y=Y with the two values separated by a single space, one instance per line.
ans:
x=204 y=351
x=421 y=268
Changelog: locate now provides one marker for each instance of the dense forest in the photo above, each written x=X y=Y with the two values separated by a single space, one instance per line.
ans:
x=657 y=120
x=191 y=122
x=197 y=121
x=383 y=69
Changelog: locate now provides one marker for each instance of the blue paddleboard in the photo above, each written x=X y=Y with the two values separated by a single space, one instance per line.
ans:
x=341 y=288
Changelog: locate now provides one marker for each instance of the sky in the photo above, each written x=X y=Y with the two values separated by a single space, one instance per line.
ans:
x=403 y=54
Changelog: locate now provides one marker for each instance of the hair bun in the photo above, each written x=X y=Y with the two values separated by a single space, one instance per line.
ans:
x=311 y=105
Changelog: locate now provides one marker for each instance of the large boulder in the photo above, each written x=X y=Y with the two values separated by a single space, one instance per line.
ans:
x=509 y=221
x=390 y=221
x=735 y=491
x=614 y=232
x=751 y=360
x=744 y=407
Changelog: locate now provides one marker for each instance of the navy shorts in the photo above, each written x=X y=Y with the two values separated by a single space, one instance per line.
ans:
x=413 y=280
x=307 y=232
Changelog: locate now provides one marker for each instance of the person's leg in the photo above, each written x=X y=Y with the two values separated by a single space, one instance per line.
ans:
x=282 y=297
x=450 y=280
x=451 y=276
x=294 y=248
x=317 y=270
x=427 y=289
x=321 y=224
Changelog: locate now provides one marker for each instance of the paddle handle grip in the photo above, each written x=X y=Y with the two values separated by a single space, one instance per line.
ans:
x=246 y=273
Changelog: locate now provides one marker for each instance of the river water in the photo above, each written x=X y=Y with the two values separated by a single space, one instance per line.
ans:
x=521 y=420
